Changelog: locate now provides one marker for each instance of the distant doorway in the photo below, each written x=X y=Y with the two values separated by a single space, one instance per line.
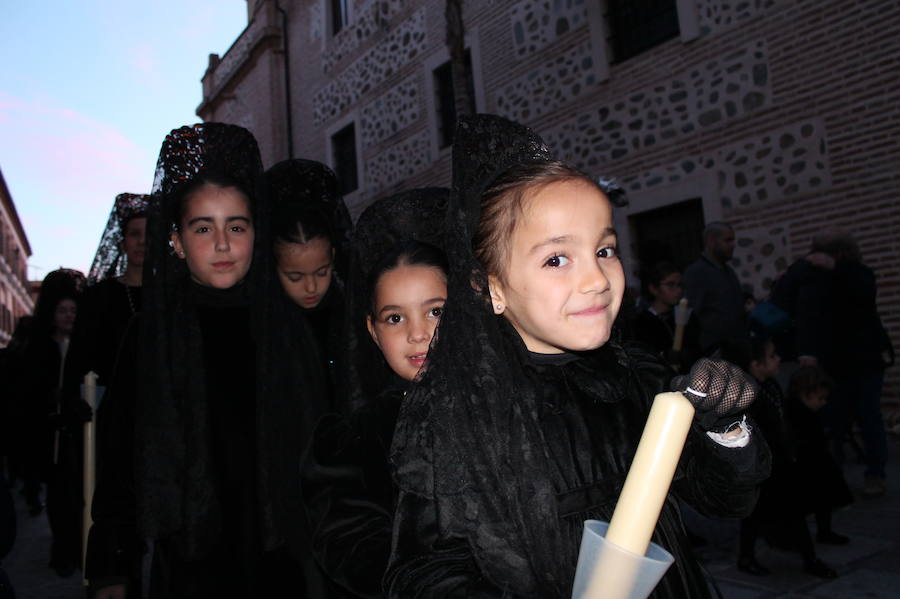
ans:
x=671 y=233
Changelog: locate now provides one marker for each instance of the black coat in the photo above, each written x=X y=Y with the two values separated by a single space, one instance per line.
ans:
x=349 y=494
x=591 y=428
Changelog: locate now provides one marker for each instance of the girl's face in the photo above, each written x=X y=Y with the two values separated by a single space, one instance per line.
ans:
x=763 y=370
x=215 y=236
x=669 y=290
x=816 y=399
x=133 y=240
x=305 y=270
x=564 y=281
x=64 y=316
x=409 y=301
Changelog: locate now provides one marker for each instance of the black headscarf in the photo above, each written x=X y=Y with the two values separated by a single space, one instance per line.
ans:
x=60 y=284
x=110 y=260
x=415 y=215
x=300 y=187
x=469 y=437
x=176 y=476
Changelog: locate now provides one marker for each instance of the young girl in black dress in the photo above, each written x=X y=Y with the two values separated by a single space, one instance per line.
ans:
x=228 y=390
x=311 y=230
x=526 y=419
x=397 y=290
x=51 y=424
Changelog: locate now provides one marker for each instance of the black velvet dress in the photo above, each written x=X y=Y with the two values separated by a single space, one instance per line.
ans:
x=105 y=342
x=349 y=494
x=658 y=331
x=591 y=410
x=326 y=322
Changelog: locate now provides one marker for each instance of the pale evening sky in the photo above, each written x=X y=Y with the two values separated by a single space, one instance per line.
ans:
x=88 y=91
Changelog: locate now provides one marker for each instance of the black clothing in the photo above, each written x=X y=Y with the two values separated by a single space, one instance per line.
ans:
x=658 y=332
x=600 y=418
x=498 y=460
x=327 y=323
x=818 y=483
x=346 y=478
x=107 y=311
x=349 y=493
x=806 y=293
x=229 y=390
x=861 y=344
x=717 y=301
x=110 y=260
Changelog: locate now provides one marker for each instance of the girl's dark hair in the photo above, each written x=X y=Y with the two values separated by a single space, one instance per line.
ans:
x=742 y=351
x=502 y=204
x=176 y=211
x=294 y=223
x=654 y=275
x=406 y=253
x=808 y=379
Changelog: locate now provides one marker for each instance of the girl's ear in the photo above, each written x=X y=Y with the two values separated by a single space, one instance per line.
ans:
x=176 y=245
x=498 y=297
x=371 y=326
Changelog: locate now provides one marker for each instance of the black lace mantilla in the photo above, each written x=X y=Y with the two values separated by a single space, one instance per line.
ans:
x=110 y=261
x=417 y=215
x=297 y=186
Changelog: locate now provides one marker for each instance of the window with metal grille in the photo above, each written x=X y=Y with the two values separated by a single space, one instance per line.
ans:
x=343 y=148
x=445 y=100
x=638 y=25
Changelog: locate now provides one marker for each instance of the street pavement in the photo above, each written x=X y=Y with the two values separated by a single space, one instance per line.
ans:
x=868 y=567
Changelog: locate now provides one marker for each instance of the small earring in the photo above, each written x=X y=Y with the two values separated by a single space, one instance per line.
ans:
x=498 y=307
x=171 y=244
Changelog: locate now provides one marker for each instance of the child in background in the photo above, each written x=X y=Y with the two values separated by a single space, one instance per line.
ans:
x=789 y=493
x=656 y=324
x=819 y=477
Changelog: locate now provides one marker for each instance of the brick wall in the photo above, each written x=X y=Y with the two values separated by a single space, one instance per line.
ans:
x=781 y=115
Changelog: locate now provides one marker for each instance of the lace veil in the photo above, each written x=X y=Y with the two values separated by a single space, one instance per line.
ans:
x=110 y=261
x=415 y=215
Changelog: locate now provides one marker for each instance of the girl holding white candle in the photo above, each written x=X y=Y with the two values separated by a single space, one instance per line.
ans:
x=527 y=419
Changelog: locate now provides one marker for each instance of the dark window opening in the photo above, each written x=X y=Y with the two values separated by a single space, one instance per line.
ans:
x=339 y=15
x=445 y=100
x=343 y=147
x=672 y=233
x=638 y=25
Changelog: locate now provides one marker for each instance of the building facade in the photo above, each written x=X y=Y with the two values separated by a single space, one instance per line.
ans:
x=15 y=290
x=779 y=116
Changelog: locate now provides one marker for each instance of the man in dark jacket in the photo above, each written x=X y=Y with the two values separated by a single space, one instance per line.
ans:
x=713 y=290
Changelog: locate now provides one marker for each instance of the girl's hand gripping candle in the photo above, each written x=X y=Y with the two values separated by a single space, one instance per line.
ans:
x=716 y=391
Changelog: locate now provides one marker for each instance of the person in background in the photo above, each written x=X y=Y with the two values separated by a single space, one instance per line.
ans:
x=656 y=324
x=714 y=291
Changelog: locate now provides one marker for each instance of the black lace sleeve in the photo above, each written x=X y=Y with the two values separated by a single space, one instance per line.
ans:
x=716 y=480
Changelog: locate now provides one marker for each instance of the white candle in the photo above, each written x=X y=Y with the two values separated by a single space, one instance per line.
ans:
x=90 y=396
x=651 y=472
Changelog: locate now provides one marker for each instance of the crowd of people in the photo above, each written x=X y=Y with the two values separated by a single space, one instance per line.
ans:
x=428 y=404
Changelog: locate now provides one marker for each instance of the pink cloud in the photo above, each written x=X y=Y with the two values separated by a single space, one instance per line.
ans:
x=64 y=168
